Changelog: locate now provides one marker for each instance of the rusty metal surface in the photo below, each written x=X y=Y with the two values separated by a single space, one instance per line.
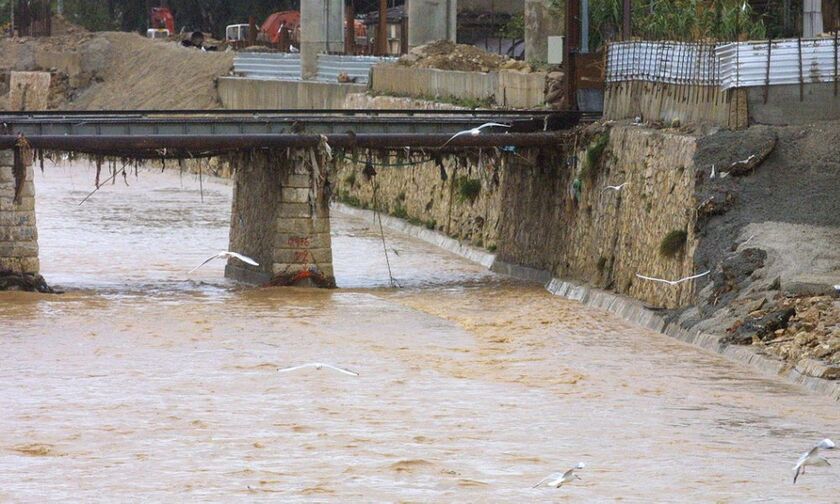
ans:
x=326 y=122
x=156 y=146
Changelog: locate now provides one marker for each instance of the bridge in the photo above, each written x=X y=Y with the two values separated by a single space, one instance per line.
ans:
x=282 y=163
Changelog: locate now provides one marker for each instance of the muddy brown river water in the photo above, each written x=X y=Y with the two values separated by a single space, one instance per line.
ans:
x=144 y=383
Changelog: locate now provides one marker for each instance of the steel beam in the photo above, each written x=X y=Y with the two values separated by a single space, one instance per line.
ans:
x=155 y=146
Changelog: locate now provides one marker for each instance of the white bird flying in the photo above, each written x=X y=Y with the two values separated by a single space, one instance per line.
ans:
x=228 y=255
x=812 y=458
x=475 y=131
x=615 y=187
x=714 y=173
x=672 y=282
x=557 y=480
x=318 y=365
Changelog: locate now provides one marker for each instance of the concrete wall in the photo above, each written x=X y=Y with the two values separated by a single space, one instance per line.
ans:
x=505 y=88
x=668 y=102
x=430 y=20
x=784 y=107
x=239 y=93
x=280 y=216
x=430 y=82
x=29 y=90
x=541 y=21
x=18 y=233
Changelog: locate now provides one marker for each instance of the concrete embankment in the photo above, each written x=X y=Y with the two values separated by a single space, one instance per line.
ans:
x=550 y=217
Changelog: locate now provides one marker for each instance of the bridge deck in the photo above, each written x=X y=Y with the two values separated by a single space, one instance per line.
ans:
x=155 y=133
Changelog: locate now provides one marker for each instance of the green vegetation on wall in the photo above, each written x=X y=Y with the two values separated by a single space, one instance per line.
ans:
x=592 y=157
x=468 y=189
x=673 y=243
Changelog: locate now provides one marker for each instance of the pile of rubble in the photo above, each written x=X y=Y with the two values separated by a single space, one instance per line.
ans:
x=446 y=55
x=795 y=329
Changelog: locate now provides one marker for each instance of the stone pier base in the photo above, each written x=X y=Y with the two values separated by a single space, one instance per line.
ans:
x=18 y=234
x=281 y=218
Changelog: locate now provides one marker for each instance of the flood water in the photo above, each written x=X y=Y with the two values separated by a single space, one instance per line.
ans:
x=144 y=383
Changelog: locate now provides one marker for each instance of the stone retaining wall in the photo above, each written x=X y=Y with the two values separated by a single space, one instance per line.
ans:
x=18 y=234
x=436 y=196
x=600 y=236
x=528 y=209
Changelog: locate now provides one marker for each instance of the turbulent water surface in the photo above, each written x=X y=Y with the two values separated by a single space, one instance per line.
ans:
x=142 y=382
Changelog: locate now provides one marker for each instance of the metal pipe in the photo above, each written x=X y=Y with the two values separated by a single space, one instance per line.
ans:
x=156 y=145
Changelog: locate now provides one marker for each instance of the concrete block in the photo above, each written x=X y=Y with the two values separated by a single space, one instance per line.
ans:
x=311 y=256
x=29 y=265
x=326 y=269
x=29 y=90
x=298 y=180
x=294 y=210
x=18 y=249
x=301 y=241
x=7 y=173
x=15 y=218
x=7 y=203
x=294 y=195
x=301 y=169
x=302 y=226
x=18 y=233
x=284 y=268
x=7 y=158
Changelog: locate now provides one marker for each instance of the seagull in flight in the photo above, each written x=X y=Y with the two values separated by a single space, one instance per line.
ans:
x=615 y=187
x=475 y=131
x=228 y=255
x=557 y=480
x=673 y=282
x=318 y=365
x=812 y=458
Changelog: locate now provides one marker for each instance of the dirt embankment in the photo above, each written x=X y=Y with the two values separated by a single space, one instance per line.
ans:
x=118 y=71
x=769 y=232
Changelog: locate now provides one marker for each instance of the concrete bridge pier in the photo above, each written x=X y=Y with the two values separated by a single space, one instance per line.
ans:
x=18 y=234
x=281 y=218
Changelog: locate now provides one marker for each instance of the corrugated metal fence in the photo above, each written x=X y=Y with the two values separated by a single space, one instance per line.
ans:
x=286 y=66
x=729 y=66
x=254 y=65
x=666 y=62
x=778 y=62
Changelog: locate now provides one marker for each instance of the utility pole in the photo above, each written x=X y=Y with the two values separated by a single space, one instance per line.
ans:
x=627 y=29
x=382 y=29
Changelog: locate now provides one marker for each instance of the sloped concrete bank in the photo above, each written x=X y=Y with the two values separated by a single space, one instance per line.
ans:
x=626 y=308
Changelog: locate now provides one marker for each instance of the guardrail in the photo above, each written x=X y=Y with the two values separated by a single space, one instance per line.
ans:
x=286 y=66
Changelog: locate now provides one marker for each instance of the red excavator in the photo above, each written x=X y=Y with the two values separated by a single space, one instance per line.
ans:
x=162 y=18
